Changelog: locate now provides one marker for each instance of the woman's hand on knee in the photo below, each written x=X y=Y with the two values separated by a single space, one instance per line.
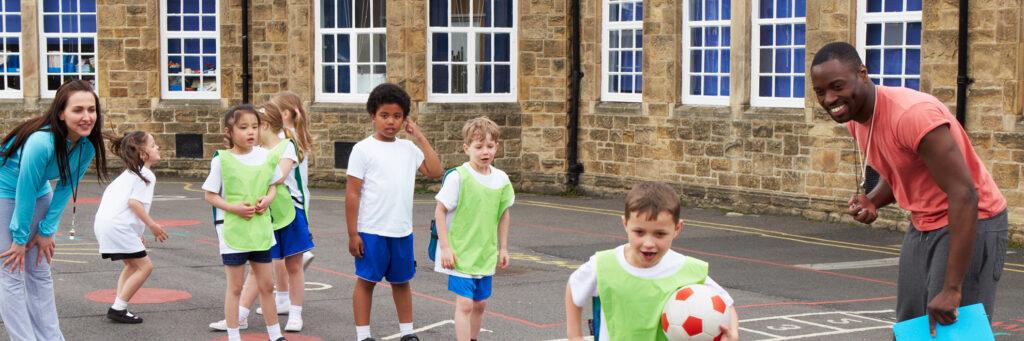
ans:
x=46 y=248
x=15 y=257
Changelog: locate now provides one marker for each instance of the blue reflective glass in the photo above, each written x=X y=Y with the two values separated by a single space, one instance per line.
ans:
x=725 y=61
x=799 y=34
x=326 y=13
x=88 y=6
x=783 y=8
x=173 y=6
x=51 y=6
x=329 y=78
x=783 y=86
x=174 y=64
x=913 y=5
x=638 y=38
x=764 y=88
x=765 y=9
x=638 y=61
x=626 y=84
x=893 y=5
x=711 y=10
x=69 y=23
x=613 y=12
x=913 y=33
x=696 y=10
x=711 y=36
x=502 y=79
x=874 y=37
x=766 y=35
x=13 y=5
x=502 y=46
x=695 y=61
x=913 y=62
x=503 y=13
x=783 y=35
x=88 y=23
x=710 y=86
x=626 y=12
x=210 y=6
x=210 y=65
x=88 y=45
x=626 y=61
x=210 y=46
x=892 y=82
x=192 y=64
x=209 y=23
x=328 y=48
x=190 y=6
x=173 y=45
x=726 y=9
x=613 y=83
x=876 y=81
x=696 y=37
x=190 y=23
x=723 y=86
x=440 y=41
x=873 y=61
x=874 y=6
x=801 y=9
x=192 y=46
x=638 y=11
x=13 y=23
x=69 y=6
x=344 y=48
x=799 y=60
x=695 y=85
x=783 y=61
x=913 y=83
x=711 y=61
x=438 y=14
x=893 y=62
x=638 y=84
x=344 y=79
x=726 y=36
x=344 y=14
x=439 y=79
x=798 y=87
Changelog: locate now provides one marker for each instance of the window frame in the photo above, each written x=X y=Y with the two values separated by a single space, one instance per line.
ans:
x=318 y=63
x=165 y=91
x=606 y=27
x=471 y=59
x=7 y=93
x=686 y=97
x=755 y=58
x=43 y=72
x=905 y=17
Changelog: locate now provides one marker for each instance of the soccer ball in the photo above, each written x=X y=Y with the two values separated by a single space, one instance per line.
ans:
x=694 y=312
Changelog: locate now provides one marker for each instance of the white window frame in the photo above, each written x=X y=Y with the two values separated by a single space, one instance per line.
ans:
x=43 y=72
x=755 y=58
x=606 y=27
x=864 y=18
x=7 y=93
x=353 y=96
x=165 y=91
x=471 y=96
x=687 y=98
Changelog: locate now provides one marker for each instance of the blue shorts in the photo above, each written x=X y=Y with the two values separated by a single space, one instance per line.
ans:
x=386 y=257
x=292 y=239
x=476 y=289
x=241 y=258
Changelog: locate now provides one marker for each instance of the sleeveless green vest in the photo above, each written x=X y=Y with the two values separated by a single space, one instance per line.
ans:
x=632 y=305
x=282 y=211
x=473 y=233
x=246 y=184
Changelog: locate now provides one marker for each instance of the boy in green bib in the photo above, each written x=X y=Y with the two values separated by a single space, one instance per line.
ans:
x=472 y=225
x=634 y=280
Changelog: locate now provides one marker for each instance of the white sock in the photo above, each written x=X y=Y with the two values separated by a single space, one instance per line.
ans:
x=282 y=297
x=362 y=333
x=119 y=304
x=405 y=328
x=274 y=331
x=243 y=313
x=233 y=335
x=295 y=311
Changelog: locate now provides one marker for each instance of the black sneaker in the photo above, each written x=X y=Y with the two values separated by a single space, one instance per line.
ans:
x=123 y=316
x=369 y=339
x=410 y=337
x=280 y=339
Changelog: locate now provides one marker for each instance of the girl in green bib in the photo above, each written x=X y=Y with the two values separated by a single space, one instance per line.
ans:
x=472 y=225
x=633 y=281
x=241 y=187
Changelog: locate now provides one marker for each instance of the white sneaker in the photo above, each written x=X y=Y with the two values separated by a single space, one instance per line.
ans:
x=294 y=324
x=282 y=309
x=222 y=325
x=307 y=258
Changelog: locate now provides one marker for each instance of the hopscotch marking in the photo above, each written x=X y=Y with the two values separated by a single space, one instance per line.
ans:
x=788 y=327
x=429 y=327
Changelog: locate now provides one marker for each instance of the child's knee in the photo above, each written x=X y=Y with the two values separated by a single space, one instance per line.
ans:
x=464 y=306
x=479 y=306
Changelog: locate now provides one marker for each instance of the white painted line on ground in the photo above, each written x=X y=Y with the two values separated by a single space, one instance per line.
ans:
x=759 y=332
x=428 y=327
x=818 y=313
x=316 y=286
x=845 y=331
x=871 y=263
x=868 y=318
x=591 y=338
x=812 y=323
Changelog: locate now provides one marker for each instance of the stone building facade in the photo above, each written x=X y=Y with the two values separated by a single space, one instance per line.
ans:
x=736 y=153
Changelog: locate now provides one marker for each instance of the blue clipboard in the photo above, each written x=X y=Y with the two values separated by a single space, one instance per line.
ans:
x=971 y=324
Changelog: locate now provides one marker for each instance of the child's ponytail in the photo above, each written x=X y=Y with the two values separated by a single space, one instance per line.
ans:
x=129 y=148
x=287 y=100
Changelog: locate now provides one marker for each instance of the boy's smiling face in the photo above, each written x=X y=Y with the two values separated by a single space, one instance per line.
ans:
x=649 y=240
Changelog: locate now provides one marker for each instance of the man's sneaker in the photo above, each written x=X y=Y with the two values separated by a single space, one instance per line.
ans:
x=294 y=324
x=307 y=258
x=282 y=309
x=222 y=325
x=410 y=337
x=122 y=316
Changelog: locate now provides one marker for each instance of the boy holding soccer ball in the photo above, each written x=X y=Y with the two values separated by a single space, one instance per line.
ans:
x=634 y=280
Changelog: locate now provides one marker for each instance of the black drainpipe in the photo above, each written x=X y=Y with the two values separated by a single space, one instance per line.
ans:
x=246 y=76
x=575 y=168
x=962 y=80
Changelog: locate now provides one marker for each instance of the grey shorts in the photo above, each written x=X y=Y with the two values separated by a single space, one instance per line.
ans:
x=923 y=261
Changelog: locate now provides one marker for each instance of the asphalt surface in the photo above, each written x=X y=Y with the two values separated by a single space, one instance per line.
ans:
x=791 y=278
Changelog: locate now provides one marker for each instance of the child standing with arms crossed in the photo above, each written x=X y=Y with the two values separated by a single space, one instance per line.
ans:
x=634 y=280
x=378 y=205
x=123 y=216
x=472 y=225
x=241 y=186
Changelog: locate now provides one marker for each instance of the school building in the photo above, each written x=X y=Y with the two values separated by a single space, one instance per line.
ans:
x=712 y=96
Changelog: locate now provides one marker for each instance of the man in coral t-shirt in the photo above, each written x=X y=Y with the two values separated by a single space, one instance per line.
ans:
x=953 y=253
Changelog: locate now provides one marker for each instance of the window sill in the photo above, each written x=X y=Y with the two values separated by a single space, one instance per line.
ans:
x=618 y=108
x=337 y=107
x=178 y=104
x=13 y=103
x=469 y=108
x=780 y=114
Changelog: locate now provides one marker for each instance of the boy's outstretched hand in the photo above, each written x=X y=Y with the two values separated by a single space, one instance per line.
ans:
x=503 y=259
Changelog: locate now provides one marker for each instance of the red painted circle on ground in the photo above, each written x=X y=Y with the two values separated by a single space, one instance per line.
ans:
x=176 y=223
x=89 y=200
x=265 y=337
x=143 y=296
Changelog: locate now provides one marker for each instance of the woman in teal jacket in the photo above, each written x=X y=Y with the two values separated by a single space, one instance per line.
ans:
x=59 y=145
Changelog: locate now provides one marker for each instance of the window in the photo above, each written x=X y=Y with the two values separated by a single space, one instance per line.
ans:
x=889 y=40
x=706 y=40
x=472 y=46
x=10 y=49
x=189 y=49
x=69 y=39
x=622 y=51
x=778 y=56
x=351 y=47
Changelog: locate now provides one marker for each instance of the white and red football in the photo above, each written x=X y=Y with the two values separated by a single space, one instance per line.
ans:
x=694 y=312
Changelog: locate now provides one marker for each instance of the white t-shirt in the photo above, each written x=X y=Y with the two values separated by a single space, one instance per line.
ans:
x=117 y=227
x=388 y=171
x=291 y=182
x=214 y=183
x=449 y=197
x=583 y=281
